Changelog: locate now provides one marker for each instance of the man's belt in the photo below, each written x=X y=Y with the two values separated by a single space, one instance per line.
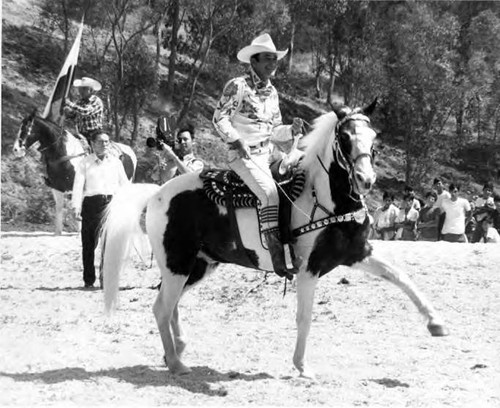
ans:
x=256 y=148
x=259 y=147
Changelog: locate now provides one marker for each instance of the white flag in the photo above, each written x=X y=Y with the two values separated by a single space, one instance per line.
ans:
x=53 y=110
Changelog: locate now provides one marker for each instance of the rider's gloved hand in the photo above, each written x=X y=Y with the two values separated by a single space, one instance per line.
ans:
x=297 y=125
x=241 y=147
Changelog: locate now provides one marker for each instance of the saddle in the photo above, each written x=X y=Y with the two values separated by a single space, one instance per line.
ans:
x=226 y=188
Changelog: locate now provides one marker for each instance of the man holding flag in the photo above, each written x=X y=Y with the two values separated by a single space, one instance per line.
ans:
x=88 y=111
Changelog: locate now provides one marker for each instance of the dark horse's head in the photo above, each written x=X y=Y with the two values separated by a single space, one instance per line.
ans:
x=340 y=147
x=36 y=129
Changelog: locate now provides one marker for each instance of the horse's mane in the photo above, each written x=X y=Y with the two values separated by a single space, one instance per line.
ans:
x=56 y=130
x=53 y=126
x=318 y=143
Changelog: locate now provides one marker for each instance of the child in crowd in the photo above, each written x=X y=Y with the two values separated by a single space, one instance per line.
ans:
x=428 y=220
x=385 y=217
x=406 y=220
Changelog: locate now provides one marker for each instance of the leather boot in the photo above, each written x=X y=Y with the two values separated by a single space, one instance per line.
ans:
x=278 y=255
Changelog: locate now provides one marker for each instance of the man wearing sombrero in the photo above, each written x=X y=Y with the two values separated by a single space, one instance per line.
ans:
x=88 y=111
x=248 y=118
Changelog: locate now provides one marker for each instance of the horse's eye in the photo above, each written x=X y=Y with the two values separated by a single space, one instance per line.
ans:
x=344 y=137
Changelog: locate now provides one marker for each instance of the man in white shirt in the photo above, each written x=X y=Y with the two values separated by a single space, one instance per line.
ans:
x=187 y=163
x=441 y=195
x=98 y=176
x=440 y=191
x=457 y=212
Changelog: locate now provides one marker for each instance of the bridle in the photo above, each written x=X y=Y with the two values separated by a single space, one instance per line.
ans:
x=343 y=161
x=348 y=165
x=27 y=133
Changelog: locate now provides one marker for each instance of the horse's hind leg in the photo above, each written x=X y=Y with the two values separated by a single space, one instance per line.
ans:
x=381 y=268
x=58 y=219
x=164 y=309
x=180 y=343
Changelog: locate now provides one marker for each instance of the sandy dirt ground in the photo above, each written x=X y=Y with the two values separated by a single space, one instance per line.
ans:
x=368 y=345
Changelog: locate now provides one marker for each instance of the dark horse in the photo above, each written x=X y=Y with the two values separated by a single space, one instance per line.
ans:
x=191 y=235
x=61 y=153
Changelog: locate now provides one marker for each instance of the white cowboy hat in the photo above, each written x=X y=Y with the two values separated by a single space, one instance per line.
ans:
x=262 y=43
x=88 y=83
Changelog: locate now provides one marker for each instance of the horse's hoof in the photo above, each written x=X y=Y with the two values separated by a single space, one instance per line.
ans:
x=177 y=368
x=437 y=330
x=307 y=375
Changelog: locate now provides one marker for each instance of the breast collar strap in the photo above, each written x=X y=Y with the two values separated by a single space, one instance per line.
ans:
x=358 y=216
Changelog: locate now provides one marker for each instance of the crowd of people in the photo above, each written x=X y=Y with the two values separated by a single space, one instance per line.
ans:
x=442 y=216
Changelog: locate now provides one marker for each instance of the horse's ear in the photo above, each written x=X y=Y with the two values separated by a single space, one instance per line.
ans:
x=340 y=110
x=370 y=108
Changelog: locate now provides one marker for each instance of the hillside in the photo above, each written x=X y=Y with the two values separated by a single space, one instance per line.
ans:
x=28 y=74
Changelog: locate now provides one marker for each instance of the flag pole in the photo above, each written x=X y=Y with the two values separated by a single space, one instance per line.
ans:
x=54 y=109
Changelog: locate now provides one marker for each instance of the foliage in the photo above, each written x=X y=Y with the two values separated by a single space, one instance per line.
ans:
x=433 y=65
x=24 y=196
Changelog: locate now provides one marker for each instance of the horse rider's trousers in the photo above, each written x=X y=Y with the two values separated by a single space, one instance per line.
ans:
x=256 y=174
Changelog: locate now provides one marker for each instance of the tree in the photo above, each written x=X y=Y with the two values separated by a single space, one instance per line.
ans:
x=420 y=87
x=206 y=21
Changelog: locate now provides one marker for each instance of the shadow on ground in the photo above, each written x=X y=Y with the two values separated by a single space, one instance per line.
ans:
x=198 y=381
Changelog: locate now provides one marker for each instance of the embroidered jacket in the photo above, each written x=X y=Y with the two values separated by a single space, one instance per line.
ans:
x=249 y=109
x=89 y=113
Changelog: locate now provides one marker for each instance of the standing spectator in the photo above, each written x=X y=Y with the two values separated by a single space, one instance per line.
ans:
x=496 y=212
x=187 y=162
x=385 y=217
x=409 y=191
x=490 y=233
x=97 y=178
x=428 y=220
x=482 y=207
x=486 y=197
x=442 y=194
x=406 y=220
x=457 y=211
x=248 y=118
x=89 y=110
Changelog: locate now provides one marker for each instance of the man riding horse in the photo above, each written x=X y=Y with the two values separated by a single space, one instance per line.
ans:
x=88 y=111
x=248 y=117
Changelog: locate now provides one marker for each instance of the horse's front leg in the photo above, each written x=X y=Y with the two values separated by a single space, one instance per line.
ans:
x=379 y=267
x=306 y=285
x=58 y=219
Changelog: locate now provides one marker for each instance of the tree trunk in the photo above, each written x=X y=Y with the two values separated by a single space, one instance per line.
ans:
x=173 y=49
x=194 y=82
x=290 y=52
x=135 y=128
x=331 y=81
x=158 y=31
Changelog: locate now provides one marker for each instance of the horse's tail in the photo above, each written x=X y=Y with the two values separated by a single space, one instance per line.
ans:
x=121 y=222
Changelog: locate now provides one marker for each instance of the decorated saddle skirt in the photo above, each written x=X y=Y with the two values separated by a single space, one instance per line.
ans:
x=226 y=188
x=221 y=185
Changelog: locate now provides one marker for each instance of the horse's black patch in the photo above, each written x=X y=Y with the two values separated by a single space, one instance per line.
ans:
x=195 y=224
x=339 y=244
x=346 y=243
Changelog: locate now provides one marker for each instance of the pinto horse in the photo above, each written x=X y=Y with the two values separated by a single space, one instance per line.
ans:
x=191 y=235
x=61 y=153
